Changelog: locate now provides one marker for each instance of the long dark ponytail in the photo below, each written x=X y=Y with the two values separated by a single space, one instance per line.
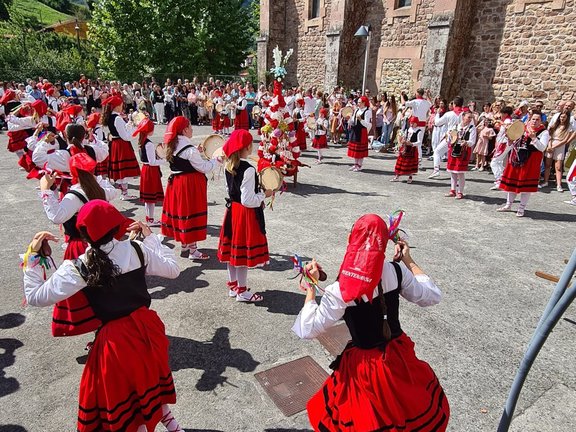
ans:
x=75 y=135
x=101 y=269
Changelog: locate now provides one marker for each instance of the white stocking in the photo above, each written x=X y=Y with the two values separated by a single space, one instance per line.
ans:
x=169 y=421
x=510 y=199
x=149 y=207
x=142 y=428
x=461 y=182
x=242 y=274
x=524 y=197
x=232 y=273
x=453 y=181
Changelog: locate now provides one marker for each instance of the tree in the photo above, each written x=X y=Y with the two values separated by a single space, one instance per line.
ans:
x=177 y=37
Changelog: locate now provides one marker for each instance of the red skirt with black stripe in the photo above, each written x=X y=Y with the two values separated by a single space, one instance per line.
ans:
x=185 y=210
x=524 y=178
x=127 y=377
x=407 y=162
x=74 y=316
x=248 y=246
x=30 y=167
x=102 y=168
x=17 y=140
x=375 y=390
x=320 y=142
x=359 y=150
x=225 y=121
x=216 y=122
x=151 y=190
x=241 y=120
x=122 y=160
x=458 y=164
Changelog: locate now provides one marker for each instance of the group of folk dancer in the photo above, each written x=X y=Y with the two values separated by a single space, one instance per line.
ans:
x=101 y=284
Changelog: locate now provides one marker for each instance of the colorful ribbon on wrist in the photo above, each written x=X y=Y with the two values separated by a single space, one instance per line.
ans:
x=306 y=278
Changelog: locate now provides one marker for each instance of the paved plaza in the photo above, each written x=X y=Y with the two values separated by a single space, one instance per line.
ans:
x=483 y=261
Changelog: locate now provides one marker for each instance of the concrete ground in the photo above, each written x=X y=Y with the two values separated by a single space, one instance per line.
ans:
x=483 y=261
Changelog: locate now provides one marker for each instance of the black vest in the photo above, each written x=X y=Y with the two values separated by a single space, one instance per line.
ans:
x=125 y=294
x=143 y=154
x=365 y=320
x=356 y=129
x=180 y=164
x=233 y=182
x=70 y=225
x=112 y=127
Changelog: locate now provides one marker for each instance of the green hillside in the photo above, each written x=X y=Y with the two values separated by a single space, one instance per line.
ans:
x=45 y=14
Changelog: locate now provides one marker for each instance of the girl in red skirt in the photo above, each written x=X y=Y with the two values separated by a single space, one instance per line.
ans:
x=127 y=383
x=151 y=190
x=378 y=383
x=243 y=243
x=407 y=161
x=522 y=173
x=300 y=121
x=73 y=316
x=320 y=142
x=241 y=121
x=359 y=124
x=122 y=163
x=459 y=153
x=185 y=210
x=216 y=118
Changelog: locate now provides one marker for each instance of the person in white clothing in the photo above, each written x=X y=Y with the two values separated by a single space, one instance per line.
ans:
x=420 y=108
x=502 y=148
x=449 y=121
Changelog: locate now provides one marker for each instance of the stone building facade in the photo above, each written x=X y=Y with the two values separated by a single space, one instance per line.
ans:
x=480 y=49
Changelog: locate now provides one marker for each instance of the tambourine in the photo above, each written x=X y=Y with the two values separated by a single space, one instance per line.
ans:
x=212 y=147
x=161 y=151
x=137 y=117
x=453 y=136
x=347 y=112
x=311 y=123
x=515 y=130
x=219 y=108
x=271 y=178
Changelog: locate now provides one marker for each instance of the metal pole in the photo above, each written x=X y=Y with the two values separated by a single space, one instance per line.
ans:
x=366 y=62
x=561 y=299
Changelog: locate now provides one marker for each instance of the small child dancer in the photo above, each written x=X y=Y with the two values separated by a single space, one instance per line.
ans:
x=407 y=162
x=320 y=142
x=459 y=154
x=243 y=242
x=151 y=190
x=486 y=132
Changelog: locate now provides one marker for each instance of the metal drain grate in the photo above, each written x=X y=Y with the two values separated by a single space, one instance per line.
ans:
x=335 y=339
x=292 y=384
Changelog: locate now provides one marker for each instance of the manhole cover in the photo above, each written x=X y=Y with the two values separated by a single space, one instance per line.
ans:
x=292 y=384
x=335 y=339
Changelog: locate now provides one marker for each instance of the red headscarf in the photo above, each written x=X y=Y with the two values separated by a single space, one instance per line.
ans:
x=47 y=86
x=300 y=102
x=93 y=120
x=83 y=162
x=365 y=101
x=238 y=140
x=73 y=110
x=50 y=91
x=175 y=128
x=99 y=218
x=9 y=95
x=413 y=119
x=40 y=107
x=113 y=101
x=145 y=126
x=62 y=120
x=323 y=112
x=361 y=270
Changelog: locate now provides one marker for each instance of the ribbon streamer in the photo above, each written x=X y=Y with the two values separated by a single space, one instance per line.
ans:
x=305 y=277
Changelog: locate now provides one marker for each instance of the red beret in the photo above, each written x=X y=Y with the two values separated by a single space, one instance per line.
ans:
x=239 y=139
x=113 y=101
x=40 y=107
x=145 y=126
x=9 y=95
x=83 y=162
x=73 y=110
x=99 y=218
x=175 y=128
x=93 y=120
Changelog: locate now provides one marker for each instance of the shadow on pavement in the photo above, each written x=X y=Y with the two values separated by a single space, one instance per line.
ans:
x=213 y=357
x=279 y=262
x=305 y=190
x=282 y=302
x=187 y=282
x=287 y=430
x=12 y=428
x=193 y=430
x=7 y=357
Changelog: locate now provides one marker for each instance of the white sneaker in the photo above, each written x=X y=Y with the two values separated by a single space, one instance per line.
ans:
x=153 y=223
x=434 y=174
x=559 y=189
x=248 y=297
x=542 y=185
x=495 y=187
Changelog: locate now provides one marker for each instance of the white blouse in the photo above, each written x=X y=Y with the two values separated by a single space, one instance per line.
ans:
x=124 y=130
x=59 y=212
x=66 y=281
x=366 y=121
x=193 y=156
x=248 y=197
x=315 y=319
x=150 y=149
x=50 y=155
